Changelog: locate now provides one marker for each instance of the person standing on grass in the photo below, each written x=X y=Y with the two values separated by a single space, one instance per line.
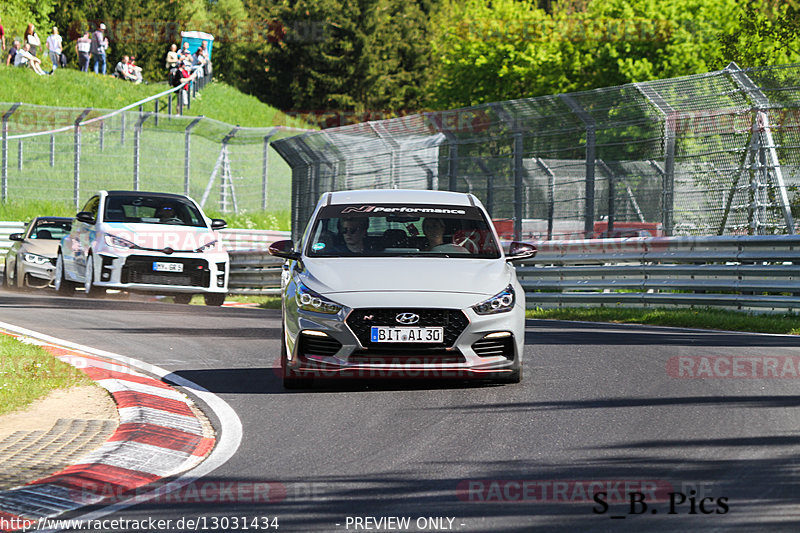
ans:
x=82 y=48
x=54 y=46
x=32 y=38
x=2 y=35
x=98 y=49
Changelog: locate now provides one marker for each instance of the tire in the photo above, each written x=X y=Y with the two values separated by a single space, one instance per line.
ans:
x=92 y=290
x=214 y=298
x=290 y=380
x=8 y=282
x=63 y=286
x=182 y=298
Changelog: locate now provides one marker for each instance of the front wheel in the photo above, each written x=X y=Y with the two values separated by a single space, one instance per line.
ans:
x=63 y=286
x=92 y=290
x=8 y=281
x=214 y=298
x=182 y=298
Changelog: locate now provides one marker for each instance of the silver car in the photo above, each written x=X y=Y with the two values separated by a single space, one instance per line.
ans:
x=30 y=262
x=401 y=283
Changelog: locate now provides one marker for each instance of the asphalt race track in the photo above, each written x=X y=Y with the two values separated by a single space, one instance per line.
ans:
x=601 y=409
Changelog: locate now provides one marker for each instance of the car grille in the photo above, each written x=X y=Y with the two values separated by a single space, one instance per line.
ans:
x=382 y=356
x=139 y=269
x=318 y=346
x=454 y=321
x=492 y=347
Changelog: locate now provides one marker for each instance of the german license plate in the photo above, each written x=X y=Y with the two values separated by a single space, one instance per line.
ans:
x=393 y=334
x=160 y=266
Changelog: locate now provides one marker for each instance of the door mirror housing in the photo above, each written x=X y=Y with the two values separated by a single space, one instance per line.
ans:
x=16 y=237
x=519 y=251
x=85 y=216
x=218 y=223
x=284 y=249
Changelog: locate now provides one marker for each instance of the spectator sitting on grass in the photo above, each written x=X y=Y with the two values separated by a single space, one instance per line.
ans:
x=12 y=52
x=24 y=57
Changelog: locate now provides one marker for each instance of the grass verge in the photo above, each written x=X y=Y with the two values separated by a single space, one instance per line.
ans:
x=29 y=372
x=684 y=318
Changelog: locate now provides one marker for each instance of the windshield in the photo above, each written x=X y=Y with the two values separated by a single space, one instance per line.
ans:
x=51 y=230
x=152 y=210
x=402 y=231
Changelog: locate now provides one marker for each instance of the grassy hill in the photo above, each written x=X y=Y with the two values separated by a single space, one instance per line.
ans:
x=71 y=88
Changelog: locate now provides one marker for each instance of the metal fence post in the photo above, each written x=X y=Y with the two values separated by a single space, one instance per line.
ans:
x=187 y=135
x=155 y=105
x=19 y=154
x=52 y=150
x=551 y=188
x=519 y=168
x=102 y=134
x=264 y=170
x=137 y=134
x=668 y=174
x=77 y=164
x=122 y=128
x=591 y=147
x=4 y=177
x=169 y=105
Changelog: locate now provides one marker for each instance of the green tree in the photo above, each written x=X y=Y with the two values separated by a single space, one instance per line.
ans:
x=765 y=34
x=506 y=49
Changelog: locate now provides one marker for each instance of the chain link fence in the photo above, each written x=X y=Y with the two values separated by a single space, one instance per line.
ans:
x=709 y=154
x=67 y=154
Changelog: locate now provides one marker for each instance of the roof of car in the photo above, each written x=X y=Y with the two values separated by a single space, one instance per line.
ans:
x=400 y=196
x=55 y=219
x=145 y=193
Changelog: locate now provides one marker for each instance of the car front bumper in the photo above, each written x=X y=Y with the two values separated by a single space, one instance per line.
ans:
x=206 y=273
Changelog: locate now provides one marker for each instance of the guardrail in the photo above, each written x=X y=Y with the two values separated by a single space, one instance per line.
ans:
x=6 y=229
x=731 y=272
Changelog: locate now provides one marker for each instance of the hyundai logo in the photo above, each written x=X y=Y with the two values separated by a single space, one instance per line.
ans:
x=407 y=318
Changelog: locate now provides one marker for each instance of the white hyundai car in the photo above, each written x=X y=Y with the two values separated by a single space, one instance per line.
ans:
x=401 y=283
x=147 y=242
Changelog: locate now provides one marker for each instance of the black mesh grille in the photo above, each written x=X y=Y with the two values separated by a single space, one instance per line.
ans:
x=492 y=347
x=452 y=320
x=319 y=346
x=420 y=356
x=139 y=269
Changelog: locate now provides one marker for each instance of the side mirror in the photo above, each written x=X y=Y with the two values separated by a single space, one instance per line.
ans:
x=284 y=249
x=519 y=251
x=85 y=216
x=16 y=237
x=218 y=223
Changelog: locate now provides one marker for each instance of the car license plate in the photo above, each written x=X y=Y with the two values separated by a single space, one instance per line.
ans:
x=392 y=334
x=160 y=266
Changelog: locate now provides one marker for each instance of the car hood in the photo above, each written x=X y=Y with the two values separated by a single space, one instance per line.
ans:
x=159 y=236
x=43 y=247
x=412 y=279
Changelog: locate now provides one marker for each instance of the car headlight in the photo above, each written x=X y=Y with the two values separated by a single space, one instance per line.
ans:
x=119 y=242
x=308 y=300
x=35 y=259
x=501 y=302
x=206 y=247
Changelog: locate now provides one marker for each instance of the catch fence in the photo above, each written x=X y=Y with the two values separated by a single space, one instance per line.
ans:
x=710 y=154
x=66 y=155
